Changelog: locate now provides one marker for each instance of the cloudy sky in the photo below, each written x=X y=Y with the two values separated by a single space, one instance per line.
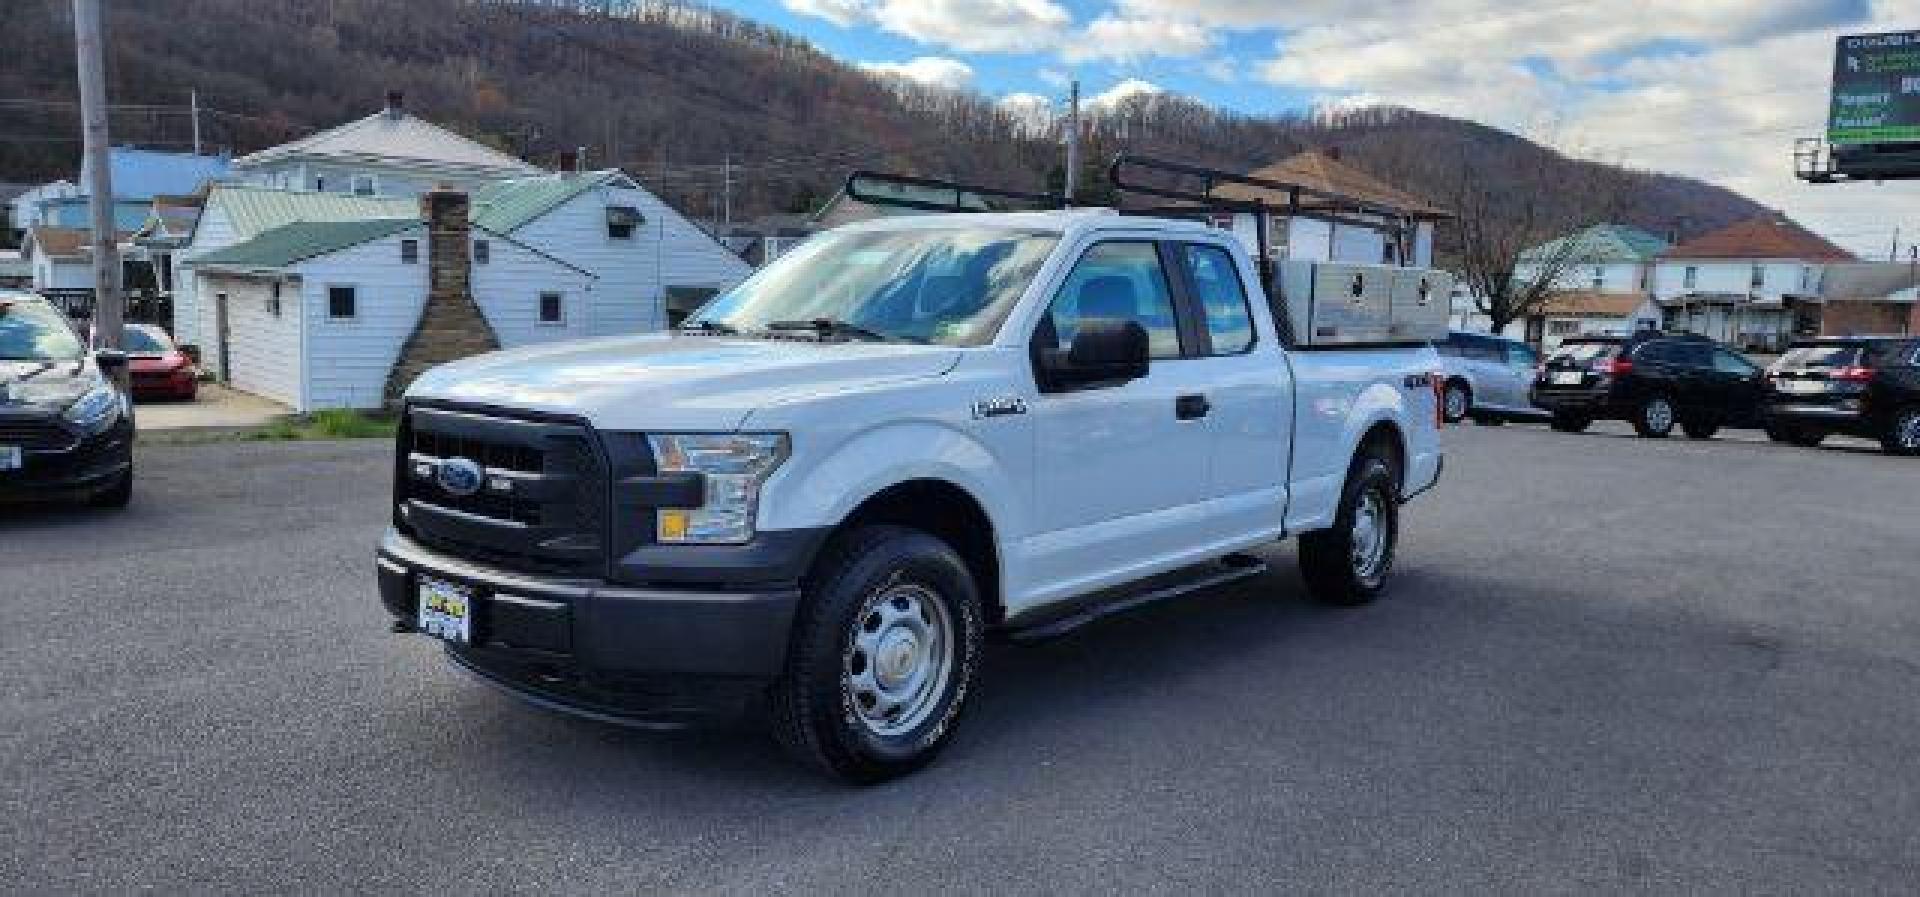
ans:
x=1714 y=89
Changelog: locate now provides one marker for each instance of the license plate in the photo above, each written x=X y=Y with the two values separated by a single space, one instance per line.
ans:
x=1568 y=378
x=12 y=457
x=446 y=610
x=1800 y=386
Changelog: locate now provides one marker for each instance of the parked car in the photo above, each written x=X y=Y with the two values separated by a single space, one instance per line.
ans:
x=159 y=370
x=836 y=477
x=66 y=429
x=1857 y=386
x=1653 y=380
x=1487 y=378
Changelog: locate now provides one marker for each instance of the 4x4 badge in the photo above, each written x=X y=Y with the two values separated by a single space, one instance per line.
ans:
x=983 y=408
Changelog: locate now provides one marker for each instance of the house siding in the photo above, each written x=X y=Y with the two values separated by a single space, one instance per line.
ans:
x=192 y=320
x=508 y=288
x=264 y=349
x=667 y=250
x=348 y=360
x=1736 y=277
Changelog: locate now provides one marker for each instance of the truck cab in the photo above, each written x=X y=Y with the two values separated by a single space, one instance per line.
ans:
x=830 y=483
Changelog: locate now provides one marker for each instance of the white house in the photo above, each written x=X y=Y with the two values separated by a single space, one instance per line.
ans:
x=1604 y=258
x=388 y=153
x=1369 y=204
x=27 y=209
x=1741 y=284
x=315 y=314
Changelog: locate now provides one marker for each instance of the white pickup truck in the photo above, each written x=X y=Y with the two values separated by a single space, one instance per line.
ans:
x=834 y=481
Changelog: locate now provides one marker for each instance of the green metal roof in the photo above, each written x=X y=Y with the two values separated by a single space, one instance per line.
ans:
x=283 y=246
x=255 y=210
x=503 y=206
x=1603 y=243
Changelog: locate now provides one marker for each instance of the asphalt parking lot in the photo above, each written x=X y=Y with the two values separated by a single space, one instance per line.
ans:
x=1608 y=664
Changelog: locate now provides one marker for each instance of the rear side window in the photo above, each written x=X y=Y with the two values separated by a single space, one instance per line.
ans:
x=1728 y=363
x=1216 y=283
x=1584 y=352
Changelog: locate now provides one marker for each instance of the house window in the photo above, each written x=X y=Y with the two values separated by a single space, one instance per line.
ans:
x=1563 y=327
x=320 y=183
x=273 y=299
x=1388 y=250
x=1599 y=277
x=621 y=221
x=342 y=302
x=1806 y=279
x=482 y=252
x=410 y=251
x=365 y=185
x=1759 y=276
x=1692 y=277
x=552 y=311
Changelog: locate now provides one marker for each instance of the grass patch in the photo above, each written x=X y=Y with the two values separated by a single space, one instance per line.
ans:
x=333 y=423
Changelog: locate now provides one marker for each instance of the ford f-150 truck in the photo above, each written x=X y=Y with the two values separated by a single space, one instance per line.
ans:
x=832 y=482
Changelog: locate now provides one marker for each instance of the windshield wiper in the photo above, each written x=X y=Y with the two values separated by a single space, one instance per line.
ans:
x=828 y=328
x=710 y=327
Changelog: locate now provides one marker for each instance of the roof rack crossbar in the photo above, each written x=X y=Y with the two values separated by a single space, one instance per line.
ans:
x=858 y=178
x=1318 y=201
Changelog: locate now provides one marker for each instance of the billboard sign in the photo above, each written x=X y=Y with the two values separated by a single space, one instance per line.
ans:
x=1876 y=89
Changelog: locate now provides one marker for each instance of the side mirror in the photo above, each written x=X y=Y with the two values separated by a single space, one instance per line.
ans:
x=191 y=351
x=110 y=360
x=1107 y=351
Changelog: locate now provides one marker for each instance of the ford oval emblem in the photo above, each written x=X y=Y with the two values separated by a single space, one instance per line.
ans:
x=459 y=476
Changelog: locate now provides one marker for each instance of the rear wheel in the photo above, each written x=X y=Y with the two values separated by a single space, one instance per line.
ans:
x=1348 y=564
x=1456 y=401
x=1571 y=423
x=1700 y=429
x=1805 y=437
x=882 y=658
x=1654 y=418
x=1902 y=436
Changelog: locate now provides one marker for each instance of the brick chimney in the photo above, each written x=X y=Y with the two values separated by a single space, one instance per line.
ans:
x=451 y=325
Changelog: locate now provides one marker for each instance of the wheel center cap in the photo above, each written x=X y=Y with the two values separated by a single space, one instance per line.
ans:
x=898 y=656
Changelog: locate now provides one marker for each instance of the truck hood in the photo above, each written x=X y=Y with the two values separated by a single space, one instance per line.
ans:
x=671 y=381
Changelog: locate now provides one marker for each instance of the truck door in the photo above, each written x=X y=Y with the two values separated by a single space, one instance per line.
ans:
x=1118 y=468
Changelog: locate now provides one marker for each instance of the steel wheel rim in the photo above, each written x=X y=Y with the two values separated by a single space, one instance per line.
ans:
x=1659 y=415
x=899 y=659
x=1909 y=431
x=1456 y=402
x=1371 y=532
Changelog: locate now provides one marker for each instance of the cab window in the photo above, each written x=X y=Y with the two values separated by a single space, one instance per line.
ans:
x=1216 y=283
x=1122 y=280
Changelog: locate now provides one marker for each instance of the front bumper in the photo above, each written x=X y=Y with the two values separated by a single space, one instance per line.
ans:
x=645 y=656
x=94 y=464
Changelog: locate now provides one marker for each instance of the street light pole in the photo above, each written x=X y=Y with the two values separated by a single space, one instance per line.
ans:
x=109 y=312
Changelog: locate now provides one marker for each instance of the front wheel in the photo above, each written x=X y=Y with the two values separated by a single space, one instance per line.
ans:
x=882 y=658
x=1348 y=564
x=116 y=496
x=1902 y=436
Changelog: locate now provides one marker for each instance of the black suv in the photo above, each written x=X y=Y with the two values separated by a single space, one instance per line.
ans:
x=1859 y=386
x=1652 y=379
x=66 y=430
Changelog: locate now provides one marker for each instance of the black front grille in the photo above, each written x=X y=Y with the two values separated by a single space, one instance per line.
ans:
x=35 y=434
x=542 y=503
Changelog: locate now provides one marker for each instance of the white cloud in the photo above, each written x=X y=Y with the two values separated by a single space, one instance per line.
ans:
x=1031 y=111
x=929 y=71
x=973 y=26
x=1055 y=78
x=844 y=13
x=1126 y=40
x=1222 y=69
x=1122 y=93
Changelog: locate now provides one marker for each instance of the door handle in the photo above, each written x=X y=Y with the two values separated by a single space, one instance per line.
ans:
x=1191 y=407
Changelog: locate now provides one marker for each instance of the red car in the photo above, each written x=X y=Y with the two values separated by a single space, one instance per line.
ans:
x=159 y=369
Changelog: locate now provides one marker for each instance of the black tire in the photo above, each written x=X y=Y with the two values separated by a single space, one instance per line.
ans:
x=116 y=496
x=1456 y=401
x=1902 y=435
x=1570 y=423
x=1700 y=429
x=1655 y=417
x=816 y=709
x=1328 y=560
x=1804 y=437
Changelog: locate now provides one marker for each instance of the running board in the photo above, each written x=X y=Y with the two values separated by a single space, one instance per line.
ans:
x=1229 y=569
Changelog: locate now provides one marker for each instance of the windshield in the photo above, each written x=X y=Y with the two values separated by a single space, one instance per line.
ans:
x=141 y=341
x=949 y=287
x=34 y=331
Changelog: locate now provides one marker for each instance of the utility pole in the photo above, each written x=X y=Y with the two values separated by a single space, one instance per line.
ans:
x=1073 y=140
x=109 y=313
x=726 y=190
x=193 y=98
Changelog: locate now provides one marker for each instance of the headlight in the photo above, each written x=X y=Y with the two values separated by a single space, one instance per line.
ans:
x=95 y=410
x=733 y=465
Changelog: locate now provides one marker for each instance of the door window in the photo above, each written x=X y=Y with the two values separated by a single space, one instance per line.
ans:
x=1121 y=280
x=1728 y=363
x=1216 y=283
x=1521 y=357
